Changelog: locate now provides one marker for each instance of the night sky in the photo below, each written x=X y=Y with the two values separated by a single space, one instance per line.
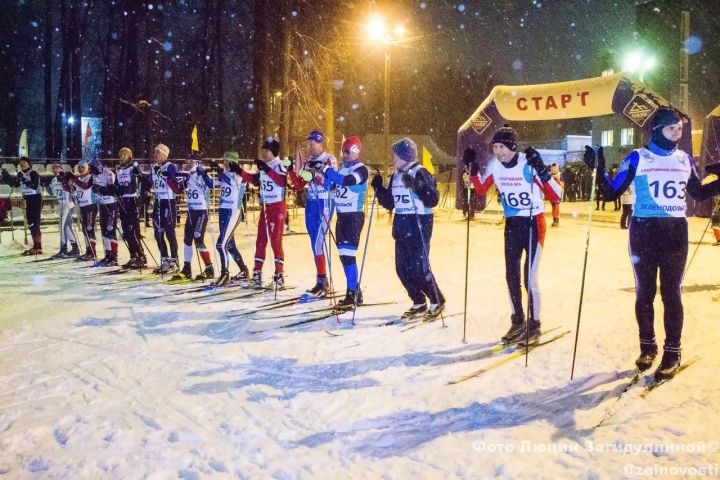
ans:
x=454 y=54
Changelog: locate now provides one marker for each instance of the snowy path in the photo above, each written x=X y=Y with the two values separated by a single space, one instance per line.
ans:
x=95 y=383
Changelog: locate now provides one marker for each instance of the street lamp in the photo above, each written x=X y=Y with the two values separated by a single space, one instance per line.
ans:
x=378 y=32
x=640 y=62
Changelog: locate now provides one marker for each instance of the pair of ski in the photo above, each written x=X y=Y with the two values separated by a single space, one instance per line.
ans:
x=211 y=291
x=649 y=386
x=321 y=314
x=283 y=303
x=511 y=350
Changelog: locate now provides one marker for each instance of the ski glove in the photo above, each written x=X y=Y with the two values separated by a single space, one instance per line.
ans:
x=377 y=181
x=316 y=165
x=262 y=166
x=407 y=180
x=590 y=159
x=469 y=159
x=535 y=161
x=713 y=168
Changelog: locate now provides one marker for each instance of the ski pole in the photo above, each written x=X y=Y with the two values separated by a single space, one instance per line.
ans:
x=528 y=274
x=593 y=182
x=327 y=231
x=426 y=254
x=467 y=263
x=362 y=263
x=697 y=247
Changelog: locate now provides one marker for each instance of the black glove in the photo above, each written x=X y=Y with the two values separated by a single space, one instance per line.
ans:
x=419 y=184
x=469 y=156
x=235 y=167
x=316 y=165
x=592 y=160
x=262 y=166
x=535 y=161
x=713 y=168
x=290 y=167
x=156 y=169
x=201 y=169
x=377 y=181
x=474 y=169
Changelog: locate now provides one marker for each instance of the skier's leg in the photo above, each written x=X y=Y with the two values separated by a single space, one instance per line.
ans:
x=516 y=238
x=409 y=270
x=170 y=224
x=262 y=239
x=531 y=272
x=347 y=233
x=158 y=228
x=429 y=287
x=278 y=212
x=672 y=268
x=644 y=260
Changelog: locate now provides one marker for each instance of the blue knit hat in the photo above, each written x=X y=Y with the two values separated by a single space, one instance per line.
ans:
x=405 y=149
x=316 y=136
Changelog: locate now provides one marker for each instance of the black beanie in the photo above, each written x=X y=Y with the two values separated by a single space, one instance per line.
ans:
x=664 y=117
x=273 y=145
x=507 y=136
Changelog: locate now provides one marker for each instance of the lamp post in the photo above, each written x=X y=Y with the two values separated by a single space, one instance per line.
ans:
x=379 y=33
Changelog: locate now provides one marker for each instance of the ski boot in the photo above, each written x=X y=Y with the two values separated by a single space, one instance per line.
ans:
x=207 y=274
x=130 y=263
x=352 y=299
x=517 y=329
x=223 y=279
x=648 y=352
x=87 y=256
x=532 y=337
x=74 y=251
x=256 y=281
x=185 y=273
x=415 y=311
x=102 y=262
x=242 y=276
x=159 y=270
x=434 y=311
x=36 y=248
x=320 y=290
x=556 y=223
x=111 y=260
x=669 y=365
x=140 y=262
x=279 y=280
x=61 y=253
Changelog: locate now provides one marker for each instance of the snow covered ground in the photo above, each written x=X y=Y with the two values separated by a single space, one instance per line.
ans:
x=95 y=383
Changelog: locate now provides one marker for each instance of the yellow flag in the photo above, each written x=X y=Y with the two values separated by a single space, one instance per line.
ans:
x=23 y=144
x=427 y=160
x=195 y=146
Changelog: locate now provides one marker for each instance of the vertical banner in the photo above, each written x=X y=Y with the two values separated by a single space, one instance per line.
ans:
x=194 y=142
x=23 y=150
x=91 y=131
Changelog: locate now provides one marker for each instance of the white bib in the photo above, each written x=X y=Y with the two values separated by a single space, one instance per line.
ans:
x=160 y=184
x=317 y=189
x=406 y=201
x=106 y=177
x=231 y=196
x=271 y=192
x=63 y=196
x=27 y=190
x=519 y=190
x=660 y=183
x=85 y=196
x=197 y=193
x=351 y=198
x=124 y=180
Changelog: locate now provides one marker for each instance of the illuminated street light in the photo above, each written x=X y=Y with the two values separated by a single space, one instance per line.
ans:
x=638 y=62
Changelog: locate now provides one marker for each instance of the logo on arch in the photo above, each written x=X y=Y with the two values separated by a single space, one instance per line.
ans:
x=639 y=109
x=480 y=123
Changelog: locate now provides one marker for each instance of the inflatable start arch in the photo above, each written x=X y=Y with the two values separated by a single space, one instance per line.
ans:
x=593 y=97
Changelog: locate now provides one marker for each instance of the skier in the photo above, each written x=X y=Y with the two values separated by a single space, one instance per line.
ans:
x=29 y=182
x=232 y=191
x=60 y=189
x=521 y=180
x=627 y=199
x=271 y=179
x=662 y=174
x=126 y=186
x=164 y=181
x=197 y=194
x=87 y=202
x=319 y=207
x=557 y=176
x=350 y=185
x=103 y=181
x=412 y=194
